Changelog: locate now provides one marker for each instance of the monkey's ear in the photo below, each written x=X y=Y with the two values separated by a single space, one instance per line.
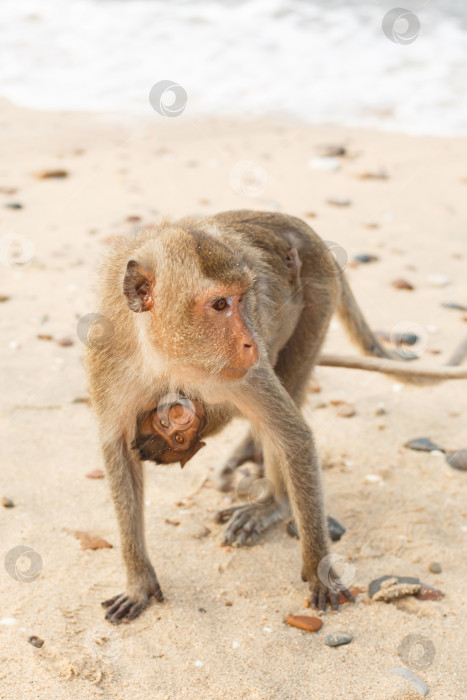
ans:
x=138 y=287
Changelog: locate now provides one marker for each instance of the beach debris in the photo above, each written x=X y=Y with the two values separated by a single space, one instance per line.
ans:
x=380 y=174
x=324 y=163
x=199 y=663
x=429 y=593
x=337 y=639
x=8 y=190
x=335 y=529
x=390 y=587
x=346 y=410
x=133 y=218
x=402 y=284
x=370 y=224
x=458 y=460
x=65 y=342
x=438 y=279
x=95 y=474
x=408 y=675
x=338 y=202
x=44 y=336
x=4 y=297
x=89 y=541
x=81 y=399
x=365 y=258
x=454 y=305
x=332 y=151
x=7 y=502
x=50 y=174
x=175 y=523
x=313 y=215
x=304 y=622
x=13 y=205
x=195 y=530
x=35 y=641
x=396 y=338
x=434 y=567
x=9 y=621
x=423 y=444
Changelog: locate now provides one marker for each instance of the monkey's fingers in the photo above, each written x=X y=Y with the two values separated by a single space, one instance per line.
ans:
x=123 y=606
x=320 y=596
x=223 y=515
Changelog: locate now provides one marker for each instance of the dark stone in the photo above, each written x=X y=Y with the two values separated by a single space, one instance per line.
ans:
x=423 y=444
x=335 y=529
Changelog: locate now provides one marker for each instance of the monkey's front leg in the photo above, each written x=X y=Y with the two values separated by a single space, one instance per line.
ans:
x=125 y=475
x=290 y=458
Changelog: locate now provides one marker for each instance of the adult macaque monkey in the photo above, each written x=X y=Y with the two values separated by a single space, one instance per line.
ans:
x=229 y=312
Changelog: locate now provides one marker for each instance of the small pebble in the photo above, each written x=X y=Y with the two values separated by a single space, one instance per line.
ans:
x=365 y=258
x=304 y=622
x=47 y=174
x=346 y=410
x=336 y=639
x=376 y=175
x=13 y=205
x=335 y=529
x=338 y=202
x=454 y=305
x=95 y=474
x=36 y=641
x=3 y=297
x=65 y=342
x=9 y=621
x=402 y=284
x=325 y=163
x=434 y=567
x=423 y=444
x=429 y=593
x=438 y=279
x=201 y=610
x=458 y=460
x=44 y=336
x=7 y=502
x=333 y=151
x=199 y=663
x=235 y=645
x=196 y=530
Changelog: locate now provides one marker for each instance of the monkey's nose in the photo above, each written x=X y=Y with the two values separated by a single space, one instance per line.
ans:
x=250 y=354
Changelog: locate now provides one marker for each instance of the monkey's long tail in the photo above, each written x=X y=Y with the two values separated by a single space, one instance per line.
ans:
x=356 y=326
x=387 y=362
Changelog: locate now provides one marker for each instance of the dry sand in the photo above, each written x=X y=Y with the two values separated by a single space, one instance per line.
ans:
x=412 y=510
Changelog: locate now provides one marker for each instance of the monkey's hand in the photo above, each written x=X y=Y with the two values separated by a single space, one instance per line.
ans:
x=321 y=594
x=130 y=604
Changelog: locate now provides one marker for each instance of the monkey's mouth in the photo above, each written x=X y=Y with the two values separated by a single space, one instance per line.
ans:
x=234 y=372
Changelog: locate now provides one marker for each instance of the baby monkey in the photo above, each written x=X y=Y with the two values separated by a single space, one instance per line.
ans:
x=171 y=432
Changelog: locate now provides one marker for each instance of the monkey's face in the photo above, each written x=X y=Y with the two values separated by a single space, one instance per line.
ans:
x=200 y=324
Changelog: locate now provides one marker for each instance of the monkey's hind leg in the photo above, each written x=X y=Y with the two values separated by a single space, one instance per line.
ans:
x=246 y=451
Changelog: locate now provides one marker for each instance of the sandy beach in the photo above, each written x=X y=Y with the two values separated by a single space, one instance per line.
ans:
x=220 y=632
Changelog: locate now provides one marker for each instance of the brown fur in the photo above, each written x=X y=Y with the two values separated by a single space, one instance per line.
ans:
x=285 y=287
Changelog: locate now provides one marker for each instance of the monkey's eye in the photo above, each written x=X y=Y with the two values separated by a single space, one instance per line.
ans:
x=164 y=422
x=179 y=438
x=220 y=304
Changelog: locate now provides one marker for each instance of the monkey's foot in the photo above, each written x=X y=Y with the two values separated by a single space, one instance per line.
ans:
x=128 y=606
x=320 y=595
x=335 y=529
x=247 y=523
